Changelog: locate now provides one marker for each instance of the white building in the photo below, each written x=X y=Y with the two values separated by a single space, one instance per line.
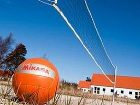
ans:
x=84 y=86
x=126 y=86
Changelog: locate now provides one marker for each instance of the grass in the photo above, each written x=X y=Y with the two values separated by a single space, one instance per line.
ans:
x=7 y=97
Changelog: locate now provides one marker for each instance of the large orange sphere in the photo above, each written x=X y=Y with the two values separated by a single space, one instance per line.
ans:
x=35 y=81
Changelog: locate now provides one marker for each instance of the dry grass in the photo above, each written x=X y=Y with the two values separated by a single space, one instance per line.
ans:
x=7 y=97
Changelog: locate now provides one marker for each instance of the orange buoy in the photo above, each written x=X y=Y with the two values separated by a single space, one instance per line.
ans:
x=35 y=81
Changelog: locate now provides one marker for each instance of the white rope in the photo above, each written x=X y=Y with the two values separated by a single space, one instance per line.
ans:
x=78 y=37
x=45 y=2
x=49 y=2
x=68 y=23
x=98 y=35
x=56 y=1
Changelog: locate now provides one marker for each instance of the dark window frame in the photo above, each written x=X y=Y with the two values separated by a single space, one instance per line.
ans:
x=104 y=89
x=130 y=92
x=122 y=92
x=136 y=93
x=112 y=90
x=97 y=90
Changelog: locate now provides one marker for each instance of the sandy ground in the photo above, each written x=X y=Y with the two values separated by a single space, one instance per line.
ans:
x=75 y=100
x=71 y=100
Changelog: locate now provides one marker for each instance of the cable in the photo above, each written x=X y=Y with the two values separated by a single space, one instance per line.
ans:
x=78 y=17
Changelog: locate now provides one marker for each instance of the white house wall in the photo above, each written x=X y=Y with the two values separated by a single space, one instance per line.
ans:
x=85 y=90
x=108 y=91
x=126 y=93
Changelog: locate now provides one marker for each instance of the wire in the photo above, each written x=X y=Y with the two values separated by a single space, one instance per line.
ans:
x=98 y=35
x=47 y=3
x=78 y=17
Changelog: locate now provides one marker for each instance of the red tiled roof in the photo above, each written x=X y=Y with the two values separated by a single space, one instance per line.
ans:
x=84 y=84
x=121 y=81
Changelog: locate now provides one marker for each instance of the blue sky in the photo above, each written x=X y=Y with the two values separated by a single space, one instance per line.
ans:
x=43 y=31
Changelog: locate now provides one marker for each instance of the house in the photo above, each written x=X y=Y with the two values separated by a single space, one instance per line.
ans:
x=84 y=86
x=126 y=86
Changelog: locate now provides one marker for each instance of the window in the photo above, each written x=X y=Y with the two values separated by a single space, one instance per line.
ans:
x=137 y=95
x=103 y=89
x=112 y=90
x=130 y=92
x=96 y=90
x=122 y=91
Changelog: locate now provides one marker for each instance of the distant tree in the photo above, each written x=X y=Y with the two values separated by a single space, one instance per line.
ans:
x=11 y=57
x=5 y=47
x=16 y=57
x=88 y=79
